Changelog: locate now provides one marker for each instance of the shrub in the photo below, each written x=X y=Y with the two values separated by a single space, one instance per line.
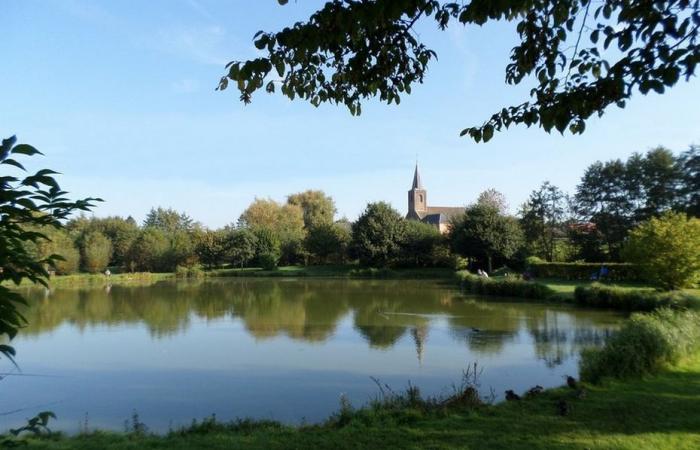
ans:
x=667 y=250
x=507 y=287
x=193 y=272
x=268 y=260
x=583 y=271
x=629 y=300
x=96 y=251
x=644 y=344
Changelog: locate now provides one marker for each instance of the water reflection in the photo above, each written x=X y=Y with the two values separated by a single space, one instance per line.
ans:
x=382 y=313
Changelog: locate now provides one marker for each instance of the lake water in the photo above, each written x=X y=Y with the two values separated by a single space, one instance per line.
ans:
x=274 y=348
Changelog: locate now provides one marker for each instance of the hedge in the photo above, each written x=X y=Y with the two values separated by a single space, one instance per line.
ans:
x=584 y=271
x=506 y=288
x=644 y=344
x=598 y=295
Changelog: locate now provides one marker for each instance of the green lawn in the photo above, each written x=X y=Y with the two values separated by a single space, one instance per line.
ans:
x=567 y=287
x=335 y=271
x=660 y=412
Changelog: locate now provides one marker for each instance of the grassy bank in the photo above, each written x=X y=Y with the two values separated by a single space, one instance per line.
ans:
x=98 y=279
x=659 y=412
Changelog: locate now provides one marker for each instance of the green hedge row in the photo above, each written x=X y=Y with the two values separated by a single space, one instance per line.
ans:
x=584 y=271
x=598 y=295
x=506 y=288
x=644 y=344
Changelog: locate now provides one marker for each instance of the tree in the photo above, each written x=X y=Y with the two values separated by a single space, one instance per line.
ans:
x=285 y=221
x=689 y=193
x=60 y=243
x=318 y=208
x=377 y=235
x=542 y=219
x=148 y=251
x=242 y=245
x=32 y=202
x=120 y=232
x=618 y=195
x=328 y=242
x=180 y=252
x=482 y=232
x=95 y=252
x=667 y=249
x=493 y=198
x=267 y=248
x=168 y=220
x=421 y=244
x=211 y=247
x=582 y=58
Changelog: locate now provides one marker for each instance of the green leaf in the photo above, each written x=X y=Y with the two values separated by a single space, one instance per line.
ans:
x=26 y=149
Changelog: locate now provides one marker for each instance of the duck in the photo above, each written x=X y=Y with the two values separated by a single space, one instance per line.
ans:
x=512 y=396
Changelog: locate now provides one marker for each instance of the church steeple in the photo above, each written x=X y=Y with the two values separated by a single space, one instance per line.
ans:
x=416 y=180
x=417 y=198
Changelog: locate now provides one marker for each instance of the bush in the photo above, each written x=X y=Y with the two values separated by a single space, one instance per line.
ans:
x=193 y=272
x=507 y=288
x=667 y=250
x=629 y=300
x=584 y=271
x=644 y=344
x=268 y=260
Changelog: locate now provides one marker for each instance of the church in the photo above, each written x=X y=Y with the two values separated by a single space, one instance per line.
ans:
x=418 y=209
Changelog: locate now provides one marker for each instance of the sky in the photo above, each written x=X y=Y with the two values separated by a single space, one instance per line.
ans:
x=120 y=97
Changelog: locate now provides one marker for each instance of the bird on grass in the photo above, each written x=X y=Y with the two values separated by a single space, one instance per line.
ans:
x=512 y=396
x=533 y=391
x=563 y=408
x=571 y=382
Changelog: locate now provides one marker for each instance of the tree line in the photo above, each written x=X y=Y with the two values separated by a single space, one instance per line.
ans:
x=591 y=225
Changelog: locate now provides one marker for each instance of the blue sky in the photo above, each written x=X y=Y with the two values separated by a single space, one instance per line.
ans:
x=120 y=97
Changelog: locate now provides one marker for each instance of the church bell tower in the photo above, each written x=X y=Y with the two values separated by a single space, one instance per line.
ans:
x=417 y=198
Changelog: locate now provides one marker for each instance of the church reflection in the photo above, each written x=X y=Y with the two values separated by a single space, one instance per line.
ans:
x=381 y=312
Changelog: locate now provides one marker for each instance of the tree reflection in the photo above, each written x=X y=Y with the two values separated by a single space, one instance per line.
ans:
x=382 y=312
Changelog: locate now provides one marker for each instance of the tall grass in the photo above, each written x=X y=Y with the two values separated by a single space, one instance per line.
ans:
x=630 y=300
x=503 y=287
x=644 y=344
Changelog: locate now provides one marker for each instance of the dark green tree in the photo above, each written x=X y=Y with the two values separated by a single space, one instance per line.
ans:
x=422 y=245
x=242 y=246
x=26 y=203
x=377 y=235
x=211 y=247
x=328 y=242
x=168 y=220
x=483 y=233
x=580 y=57
x=268 y=248
x=542 y=220
x=689 y=192
x=148 y=251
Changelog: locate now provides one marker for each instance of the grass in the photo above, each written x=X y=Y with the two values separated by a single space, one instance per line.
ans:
x=94 y=279
x=659 y=412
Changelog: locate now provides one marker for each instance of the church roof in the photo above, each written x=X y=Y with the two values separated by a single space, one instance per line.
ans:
x=416 y=180
x=436 y=215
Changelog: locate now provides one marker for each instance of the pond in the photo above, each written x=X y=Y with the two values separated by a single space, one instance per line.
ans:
x=284 y=349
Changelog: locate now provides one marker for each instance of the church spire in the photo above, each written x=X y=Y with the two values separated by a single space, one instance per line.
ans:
x=416 y=180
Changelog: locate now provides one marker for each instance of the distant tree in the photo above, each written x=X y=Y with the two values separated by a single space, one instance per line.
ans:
x=180 y=252
x=95 y=252
x=122 y=233
x=668 y=250
x=318 y=208
x=618 y=195
x=211 y=247
x=689 y=192
x=29 y=202
x=580 y=57
x=542 y=220
x=377 y=235
x=328 y=242
x=494 y=199
x=421 y=244
x=285 y=221
x=168 y=220
x=148 y=251
x=267 y=248
x=60 y=243
x=242 y=246
x=482 y=232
